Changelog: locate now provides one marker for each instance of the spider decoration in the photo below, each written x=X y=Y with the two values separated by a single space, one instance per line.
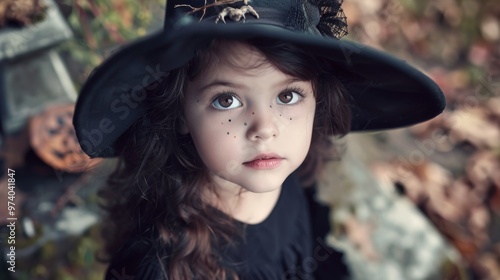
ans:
x=236 y=13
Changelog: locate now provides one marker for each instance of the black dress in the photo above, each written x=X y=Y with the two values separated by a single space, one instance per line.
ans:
x=288 y=244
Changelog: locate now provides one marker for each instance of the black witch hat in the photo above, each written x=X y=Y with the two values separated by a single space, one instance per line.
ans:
x=385 y=92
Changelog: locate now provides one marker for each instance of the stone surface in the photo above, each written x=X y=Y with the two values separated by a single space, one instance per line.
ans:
x=387 y=236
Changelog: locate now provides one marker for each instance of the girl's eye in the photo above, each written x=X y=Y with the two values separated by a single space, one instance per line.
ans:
x=289 y=97
x=226 y=102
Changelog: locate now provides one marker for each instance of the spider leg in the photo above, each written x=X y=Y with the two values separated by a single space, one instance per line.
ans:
x=252 y=11
x=222 y=15
x=249 y=9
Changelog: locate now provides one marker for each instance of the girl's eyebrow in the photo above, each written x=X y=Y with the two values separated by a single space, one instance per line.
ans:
x=217 y=83
x=229 y=84
x=288 y=81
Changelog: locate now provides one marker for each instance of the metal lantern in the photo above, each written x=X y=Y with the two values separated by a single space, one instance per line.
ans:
x=32 y=74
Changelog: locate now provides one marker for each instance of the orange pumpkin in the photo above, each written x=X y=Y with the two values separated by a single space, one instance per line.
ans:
x=53 y=138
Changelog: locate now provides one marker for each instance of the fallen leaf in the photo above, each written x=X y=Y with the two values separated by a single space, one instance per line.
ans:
x=360 y=235
x=482 y=169
x=472 y=125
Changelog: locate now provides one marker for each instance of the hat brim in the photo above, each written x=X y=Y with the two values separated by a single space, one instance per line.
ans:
x=385 y=92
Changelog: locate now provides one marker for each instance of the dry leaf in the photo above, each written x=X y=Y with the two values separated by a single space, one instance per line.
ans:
x=360 y=235
x=489 y=264
x=472 y=125
x=483 y=170
x=493 y=106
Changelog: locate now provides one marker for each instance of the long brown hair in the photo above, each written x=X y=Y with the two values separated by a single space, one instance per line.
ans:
x=156 y=185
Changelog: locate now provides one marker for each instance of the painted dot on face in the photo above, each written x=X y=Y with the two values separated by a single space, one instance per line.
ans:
x=270 y=106
x=229 y=120
x=245 y=124
x=228 y=133
x=253 y=113
x=290 y=118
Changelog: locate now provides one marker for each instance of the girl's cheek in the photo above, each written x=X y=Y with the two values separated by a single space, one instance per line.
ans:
x=227 y=127
x=235 y=123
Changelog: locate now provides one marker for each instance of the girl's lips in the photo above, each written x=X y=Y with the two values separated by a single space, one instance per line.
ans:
x=264 y=161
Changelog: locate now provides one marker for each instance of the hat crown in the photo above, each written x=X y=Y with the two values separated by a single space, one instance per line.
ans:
x=311 y=16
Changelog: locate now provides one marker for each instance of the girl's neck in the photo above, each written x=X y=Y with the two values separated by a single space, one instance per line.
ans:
x=244 y=206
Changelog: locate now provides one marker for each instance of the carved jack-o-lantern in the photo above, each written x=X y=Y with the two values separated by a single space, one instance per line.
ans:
x=53 y=139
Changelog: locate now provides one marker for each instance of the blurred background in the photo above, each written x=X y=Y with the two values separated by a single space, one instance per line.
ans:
x=415 y=203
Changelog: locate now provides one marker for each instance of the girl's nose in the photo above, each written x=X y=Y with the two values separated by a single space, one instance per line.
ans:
x=264 y=125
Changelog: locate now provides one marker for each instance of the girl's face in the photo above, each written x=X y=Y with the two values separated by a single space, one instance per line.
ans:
x=251 y=123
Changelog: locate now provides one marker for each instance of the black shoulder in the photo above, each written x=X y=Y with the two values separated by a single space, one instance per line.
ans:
x=334 y=266
x=137 y=259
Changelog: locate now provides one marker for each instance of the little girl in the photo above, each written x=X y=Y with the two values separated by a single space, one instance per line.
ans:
x=221 y=123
